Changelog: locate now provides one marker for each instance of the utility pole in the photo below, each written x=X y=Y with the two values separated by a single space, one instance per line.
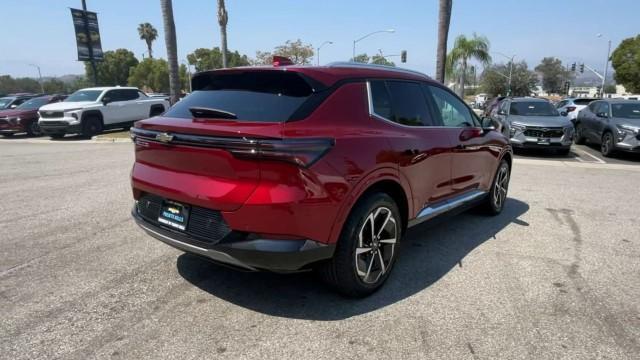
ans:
x=89 y=42
x=606 y=67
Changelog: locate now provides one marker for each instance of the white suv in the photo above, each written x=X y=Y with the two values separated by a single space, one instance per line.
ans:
x=89 y=111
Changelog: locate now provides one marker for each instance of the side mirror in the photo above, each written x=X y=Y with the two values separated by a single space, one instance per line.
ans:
x=564 y=113
x=602 y=115
x=502 y=112
x=13 y=106
x=487 y=124
x=106 y=100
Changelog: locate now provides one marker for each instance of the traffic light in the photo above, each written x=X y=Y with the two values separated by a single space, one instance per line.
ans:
x=403 y=56
x=573 y=67
x=581 y=68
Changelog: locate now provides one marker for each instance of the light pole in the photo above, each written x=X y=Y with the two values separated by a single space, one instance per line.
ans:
x=510 y=69
x=606 y=67
x=366 y=36
x=39 y=77
x=318 y=51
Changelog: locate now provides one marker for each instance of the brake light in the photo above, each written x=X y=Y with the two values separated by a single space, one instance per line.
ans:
x=302 y=152
x=281 y=61
x=570 y=108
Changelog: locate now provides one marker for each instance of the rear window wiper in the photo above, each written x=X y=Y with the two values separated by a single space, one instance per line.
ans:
x=205 y=112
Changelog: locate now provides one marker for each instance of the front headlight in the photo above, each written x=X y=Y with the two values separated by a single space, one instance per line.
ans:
x=515 y=128
x=13 y=120
x=627 y=130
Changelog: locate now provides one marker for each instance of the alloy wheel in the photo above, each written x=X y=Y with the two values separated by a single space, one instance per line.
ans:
x=34 y=129
x=375 y=249
x=501 y=186
x=606 y=143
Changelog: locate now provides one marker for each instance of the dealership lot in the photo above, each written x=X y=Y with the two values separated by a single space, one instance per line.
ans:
x=556 y=275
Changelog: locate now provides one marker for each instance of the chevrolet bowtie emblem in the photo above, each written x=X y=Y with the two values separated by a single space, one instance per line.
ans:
x=164 y=137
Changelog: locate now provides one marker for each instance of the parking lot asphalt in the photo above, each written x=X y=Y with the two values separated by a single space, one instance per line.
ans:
x=556 y=275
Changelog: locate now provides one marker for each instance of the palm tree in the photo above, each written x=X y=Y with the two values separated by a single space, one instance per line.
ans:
x=172 y=49
x=222 y=21
x=465 y=49
x=149 y=34
x=444 y=18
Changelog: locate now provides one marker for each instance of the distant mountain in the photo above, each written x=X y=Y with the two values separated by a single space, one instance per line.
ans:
x=67 y=79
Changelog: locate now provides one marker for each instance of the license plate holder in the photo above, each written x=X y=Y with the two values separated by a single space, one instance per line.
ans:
x=544 y=141
x=174 y=215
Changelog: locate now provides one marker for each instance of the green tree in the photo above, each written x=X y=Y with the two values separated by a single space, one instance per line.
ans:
x=209 y=59
x=625 y=60
x=609 y=89
x=149 y=34
x=465 y=49
x=54 y=86
x=296 y=51
x=9 y=85
x=172 y=49
x=494 y=79
x=115 y=68
x=554 y=75
x=223 y=18
x=361 y=58
x=151 y=75
x=444 y=19
x=184 y=78
x=381 y=60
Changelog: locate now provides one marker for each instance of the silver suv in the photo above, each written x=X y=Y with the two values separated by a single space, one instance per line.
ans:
x=533 y=123
x=614 y=124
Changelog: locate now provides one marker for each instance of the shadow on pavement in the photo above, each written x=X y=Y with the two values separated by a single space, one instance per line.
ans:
x=618 y=155
x=544 y=153
x=428 y=252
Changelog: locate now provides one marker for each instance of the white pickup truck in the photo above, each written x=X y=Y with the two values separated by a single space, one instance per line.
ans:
x=89 y=111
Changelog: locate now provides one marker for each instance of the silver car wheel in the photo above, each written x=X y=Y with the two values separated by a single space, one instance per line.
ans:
x=501 y=186
x=376 y=245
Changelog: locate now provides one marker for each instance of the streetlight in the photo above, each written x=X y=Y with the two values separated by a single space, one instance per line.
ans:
x=366 y=36
x=510 y=69
x=320 y=47
x=606 y=67
x=39 y=77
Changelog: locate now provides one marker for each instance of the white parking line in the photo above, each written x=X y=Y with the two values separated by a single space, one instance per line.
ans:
x=597 y=159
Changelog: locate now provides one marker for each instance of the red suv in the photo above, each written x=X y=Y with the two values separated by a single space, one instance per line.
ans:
x=291 y=168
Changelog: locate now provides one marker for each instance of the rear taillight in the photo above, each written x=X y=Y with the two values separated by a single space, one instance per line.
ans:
x=570 y=108
x=302 y=152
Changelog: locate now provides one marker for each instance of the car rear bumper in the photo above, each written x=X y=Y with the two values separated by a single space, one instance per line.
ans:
x=244 y=251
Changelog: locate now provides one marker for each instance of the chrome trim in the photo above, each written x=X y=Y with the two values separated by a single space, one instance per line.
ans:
x=444 y=206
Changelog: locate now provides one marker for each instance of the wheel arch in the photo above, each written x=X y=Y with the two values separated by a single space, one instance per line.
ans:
x=156 y=107
x=96 y=113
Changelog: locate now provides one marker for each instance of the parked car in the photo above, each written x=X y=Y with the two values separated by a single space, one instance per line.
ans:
x=480 y=100
x=13 y=101
x=24 y=118
x=569 y=108
x=612 y=123
x=534 y=123
x=90 y=111
x=290 y=168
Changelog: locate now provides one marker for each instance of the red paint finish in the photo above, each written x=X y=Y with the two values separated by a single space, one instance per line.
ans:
x=27 y=116
x=280 y=199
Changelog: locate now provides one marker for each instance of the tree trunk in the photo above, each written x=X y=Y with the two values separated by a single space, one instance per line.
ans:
x=462 y=78
x=222 y=21
x=444 y=18
x=172 y=49
x=149 y=49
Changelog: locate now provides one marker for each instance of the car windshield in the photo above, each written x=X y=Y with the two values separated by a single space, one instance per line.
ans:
x=532 y=108
x=4 y=102
x=627 y=111
x=34 y=104
x=84 y=95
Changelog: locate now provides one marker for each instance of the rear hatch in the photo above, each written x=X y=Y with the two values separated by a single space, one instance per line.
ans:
x=207 y=149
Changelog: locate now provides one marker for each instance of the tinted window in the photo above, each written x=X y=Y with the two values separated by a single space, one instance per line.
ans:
x=592 y=106
x=4 y=102
x=561 y=104
x=115 y=95
x=380 y=99
x=453 y=112
x=129 y=94
x=34 y=104
x=582 y=101
x=408 y=103
x=628 y=111
x=603 y=107
x=532 y=108
x=84 y=95
x=266 y=96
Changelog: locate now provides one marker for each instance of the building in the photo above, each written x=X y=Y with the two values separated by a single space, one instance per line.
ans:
x=584 y=91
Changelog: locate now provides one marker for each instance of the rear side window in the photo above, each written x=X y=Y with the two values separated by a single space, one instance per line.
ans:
x=454 y=113
x=582 y=101
x=267 y=96
x=401 y=102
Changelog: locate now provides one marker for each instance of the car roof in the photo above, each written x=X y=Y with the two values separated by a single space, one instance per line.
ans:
x=102 y=88
x=528 y=99
x=330 y=74
x=620 y=101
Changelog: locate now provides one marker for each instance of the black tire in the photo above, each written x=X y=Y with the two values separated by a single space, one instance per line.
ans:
x=57 y=136
x=7 y=135
x=579 y=138
x=33 y=129
x=91 y=126
x=497 y=196
x=607 y=148
x=563 y=152
x=348 y=271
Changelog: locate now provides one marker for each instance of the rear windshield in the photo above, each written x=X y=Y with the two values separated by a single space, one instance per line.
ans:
x=533 y=108
x=582 y=101
x=267 y=96
x=628 y=111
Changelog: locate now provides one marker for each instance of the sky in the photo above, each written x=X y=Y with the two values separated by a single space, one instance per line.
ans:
x=41 y=31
